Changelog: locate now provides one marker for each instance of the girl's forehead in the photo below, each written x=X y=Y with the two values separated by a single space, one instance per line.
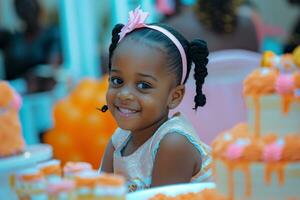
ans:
x=139 y=45
x=139 y=56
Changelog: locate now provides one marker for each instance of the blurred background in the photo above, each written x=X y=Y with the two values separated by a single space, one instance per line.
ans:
x=54 y=53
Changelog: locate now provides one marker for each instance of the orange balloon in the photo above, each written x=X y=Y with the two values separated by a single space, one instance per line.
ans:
x=62 y=144
x=94 y=151
x=81 y=132
x=67 y=115
x=104 y=82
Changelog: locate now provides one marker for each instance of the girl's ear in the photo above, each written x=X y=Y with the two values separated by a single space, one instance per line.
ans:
x=176 y=96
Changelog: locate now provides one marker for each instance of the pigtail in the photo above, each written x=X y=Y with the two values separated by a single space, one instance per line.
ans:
x=199 y=53
x=114 y=41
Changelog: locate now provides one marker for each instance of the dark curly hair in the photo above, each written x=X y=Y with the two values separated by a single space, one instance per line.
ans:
x=219 y=16
x=196 y=52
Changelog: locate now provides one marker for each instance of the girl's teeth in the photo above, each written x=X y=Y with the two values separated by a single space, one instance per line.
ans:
x=126 y=111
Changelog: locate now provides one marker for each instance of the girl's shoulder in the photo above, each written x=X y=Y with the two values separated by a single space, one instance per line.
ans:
x=178 y=131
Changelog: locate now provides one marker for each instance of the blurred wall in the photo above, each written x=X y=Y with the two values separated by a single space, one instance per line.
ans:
x=278 y=13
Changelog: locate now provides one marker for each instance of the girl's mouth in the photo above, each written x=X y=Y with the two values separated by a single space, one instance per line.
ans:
x=126 y=112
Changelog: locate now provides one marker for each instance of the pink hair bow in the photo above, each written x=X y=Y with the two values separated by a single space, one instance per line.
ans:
x=136 y=20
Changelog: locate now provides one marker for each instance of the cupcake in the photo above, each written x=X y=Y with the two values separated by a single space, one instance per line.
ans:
x=30 y=184
x=51 y=168
x=72 y=168
x=60 y=189
x=110 y=186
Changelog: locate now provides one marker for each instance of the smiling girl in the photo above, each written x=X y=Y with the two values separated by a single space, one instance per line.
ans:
x=149 y=65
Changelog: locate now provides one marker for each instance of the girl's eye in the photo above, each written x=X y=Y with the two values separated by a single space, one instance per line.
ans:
x=143 y=85
x=116 y=81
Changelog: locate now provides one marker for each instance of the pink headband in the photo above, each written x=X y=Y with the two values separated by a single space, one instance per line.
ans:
x=136 y=20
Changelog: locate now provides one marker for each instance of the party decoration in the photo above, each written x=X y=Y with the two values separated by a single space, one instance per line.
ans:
x=81 y=132
x=12 y=141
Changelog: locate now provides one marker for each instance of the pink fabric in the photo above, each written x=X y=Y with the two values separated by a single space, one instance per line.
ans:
x=223 y=86
x=137 y=19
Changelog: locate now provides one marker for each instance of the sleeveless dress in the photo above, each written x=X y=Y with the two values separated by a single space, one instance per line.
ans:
x=137 y=167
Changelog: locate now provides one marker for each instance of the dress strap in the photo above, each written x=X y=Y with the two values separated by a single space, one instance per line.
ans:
x=119 y=137
x=179 y=125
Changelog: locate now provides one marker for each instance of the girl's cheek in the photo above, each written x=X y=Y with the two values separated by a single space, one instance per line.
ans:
x=109 y=96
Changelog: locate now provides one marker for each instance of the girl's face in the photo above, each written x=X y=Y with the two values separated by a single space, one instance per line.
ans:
x=140 y=89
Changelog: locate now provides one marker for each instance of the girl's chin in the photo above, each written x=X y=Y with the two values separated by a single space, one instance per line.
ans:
x=125 y=126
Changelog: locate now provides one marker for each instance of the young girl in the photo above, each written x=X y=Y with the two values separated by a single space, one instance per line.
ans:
x=148 y=67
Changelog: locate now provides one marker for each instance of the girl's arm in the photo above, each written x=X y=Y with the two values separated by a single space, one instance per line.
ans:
x=107 y=160
x=176 y=161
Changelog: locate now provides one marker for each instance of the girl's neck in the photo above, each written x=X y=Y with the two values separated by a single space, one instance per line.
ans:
x=139 y=137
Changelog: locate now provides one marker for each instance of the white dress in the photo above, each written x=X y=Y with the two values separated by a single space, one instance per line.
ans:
x=137 y=167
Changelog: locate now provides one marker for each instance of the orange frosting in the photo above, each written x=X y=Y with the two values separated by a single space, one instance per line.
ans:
x=31 y=177
x=270 y=138
x=297 y=79
x=260 y=83
x=89 y=182
x=220 y=146
x=221 y=143
x=291 y=150
x=11 y=138
x=111 y=180
x=277 y=168
x=207 y=194
x=254 y=150
x=51 y=170
x=92 y=179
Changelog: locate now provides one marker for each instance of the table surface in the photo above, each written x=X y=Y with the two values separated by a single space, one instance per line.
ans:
x=171 y=190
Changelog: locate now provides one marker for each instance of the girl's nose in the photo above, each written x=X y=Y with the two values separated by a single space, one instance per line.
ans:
x=125 y=94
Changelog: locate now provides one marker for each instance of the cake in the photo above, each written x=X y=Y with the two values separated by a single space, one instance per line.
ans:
x=11 y=138
x=260 y=159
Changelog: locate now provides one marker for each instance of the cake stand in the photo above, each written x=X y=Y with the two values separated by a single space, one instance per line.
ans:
x=8 y=165
x=171 y=190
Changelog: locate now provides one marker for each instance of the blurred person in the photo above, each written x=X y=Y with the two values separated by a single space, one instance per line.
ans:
x=219 y=22
x=26 y=50
x=294 y=37
x=168 y=8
